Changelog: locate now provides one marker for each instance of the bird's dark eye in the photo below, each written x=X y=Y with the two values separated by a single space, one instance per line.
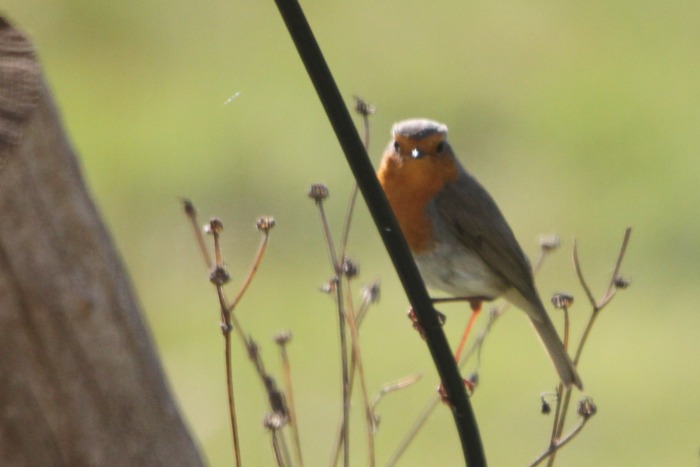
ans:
x=396 y=146
x=440 y=147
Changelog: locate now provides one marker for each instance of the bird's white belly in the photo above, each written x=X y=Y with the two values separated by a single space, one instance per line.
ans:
x=459 y=272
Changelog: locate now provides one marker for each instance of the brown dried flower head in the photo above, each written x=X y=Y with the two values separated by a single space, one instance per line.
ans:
x=562 y=300
x=586 y=408
x=318 y=192
x=363 y=107
x=282 y=337
x=549 y=242
x=265 y=223
x=215 y=226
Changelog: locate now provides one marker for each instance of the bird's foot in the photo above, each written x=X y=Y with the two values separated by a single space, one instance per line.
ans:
x=416 y=325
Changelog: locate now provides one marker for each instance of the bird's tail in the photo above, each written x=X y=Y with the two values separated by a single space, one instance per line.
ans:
x=562 y=362
x=534 y=308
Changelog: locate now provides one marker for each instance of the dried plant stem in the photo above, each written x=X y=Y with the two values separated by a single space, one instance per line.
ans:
x=597 y=306
x=219 y=277
x=355 y=190
x=191 y=214
x=582 y=280
x=413 y=430
x=348 y=221
x=554 y=447
x=560 y=413
x=226 y=330
x=291 y=406
x=319 y=193
x=345 y=378
x=357 y=359
x=337 y=266
x=253 y=269
x=359 y=316
x=395 y=386
x=283 y=448
x=277 y=448
x=612 y=289
x=557 y=412
x=231 y=400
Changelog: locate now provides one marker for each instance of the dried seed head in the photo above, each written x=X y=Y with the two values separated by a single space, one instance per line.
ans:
x=219 y=276
x=546 y=409
x=282 y=337
x=215 y=226
x=562 y=300
x=621 y=282
x=363 y=107
x=252 y=347
x=274 y=421
x=188 y=207
x=549 y=243
x=318 y=192
x=350 y=268
x=275 y=396
x=371 y=292
x=265 y=223
x=586 y=408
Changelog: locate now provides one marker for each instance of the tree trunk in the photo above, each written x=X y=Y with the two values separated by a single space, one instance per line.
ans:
x=80 y=382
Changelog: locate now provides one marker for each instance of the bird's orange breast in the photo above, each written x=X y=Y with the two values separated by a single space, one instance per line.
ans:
x=410 y=184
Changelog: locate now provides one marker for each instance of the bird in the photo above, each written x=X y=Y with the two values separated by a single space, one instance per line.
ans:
x=460 y=240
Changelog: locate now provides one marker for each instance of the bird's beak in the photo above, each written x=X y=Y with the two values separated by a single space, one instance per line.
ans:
x=417 y=153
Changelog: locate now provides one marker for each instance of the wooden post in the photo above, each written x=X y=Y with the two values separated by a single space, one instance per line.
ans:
x=80 y=382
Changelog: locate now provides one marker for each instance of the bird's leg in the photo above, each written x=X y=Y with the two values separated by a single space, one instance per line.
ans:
x=475 y=304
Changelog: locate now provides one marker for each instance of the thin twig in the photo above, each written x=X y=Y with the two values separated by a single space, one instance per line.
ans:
x=612 y=289
x=355 y=344
x=264 y=225
x=365 y=110
x=369 y=295
x=219 y=277
x=581 y=279
x=337 y=266
x=597 y=308
x=319 y=193
x=414 y=430
x=282 y=339
x=403 y=383
x=191 y=214
x=231 y=400
x=276 y=449
x=553 y=448
x=344 y=371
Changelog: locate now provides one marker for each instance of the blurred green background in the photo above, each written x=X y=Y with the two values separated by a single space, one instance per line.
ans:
x=580 y=118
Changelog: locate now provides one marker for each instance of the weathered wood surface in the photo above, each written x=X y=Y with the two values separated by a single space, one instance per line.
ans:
x=80 y=382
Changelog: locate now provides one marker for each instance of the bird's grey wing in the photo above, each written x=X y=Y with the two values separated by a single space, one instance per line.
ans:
x=474 y=218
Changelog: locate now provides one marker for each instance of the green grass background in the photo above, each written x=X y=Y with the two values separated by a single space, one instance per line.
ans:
x=581 y=118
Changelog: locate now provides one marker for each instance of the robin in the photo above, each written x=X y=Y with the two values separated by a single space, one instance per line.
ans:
x=461 y=242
